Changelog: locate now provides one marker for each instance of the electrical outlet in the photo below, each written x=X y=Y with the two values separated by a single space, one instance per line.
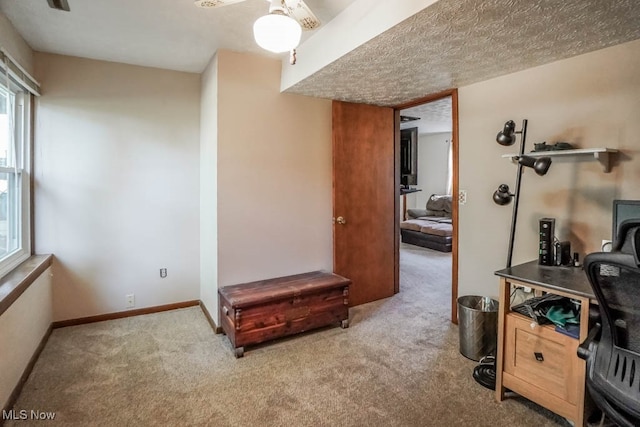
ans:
x=462 y=197
x=163 y=272
x=131 y=300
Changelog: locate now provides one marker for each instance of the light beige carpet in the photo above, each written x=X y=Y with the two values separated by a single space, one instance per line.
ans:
x=397 y=365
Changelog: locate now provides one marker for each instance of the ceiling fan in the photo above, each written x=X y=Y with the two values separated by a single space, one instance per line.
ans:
x=281 y=29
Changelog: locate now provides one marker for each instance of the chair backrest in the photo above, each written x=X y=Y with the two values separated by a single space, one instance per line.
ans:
x=614 y=371
x=615 y=279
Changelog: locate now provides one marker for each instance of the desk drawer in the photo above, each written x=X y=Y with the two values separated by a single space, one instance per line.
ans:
x=542 y=357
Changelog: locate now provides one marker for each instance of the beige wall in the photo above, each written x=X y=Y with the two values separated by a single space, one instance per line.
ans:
x=591 y=101
x=274 y=174
x=22 y=328
x=117 y=183
x=15 y=45
x=209 y=187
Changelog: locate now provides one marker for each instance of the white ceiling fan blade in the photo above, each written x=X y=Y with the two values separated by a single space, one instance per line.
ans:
x=215 y=3
x=299 y=11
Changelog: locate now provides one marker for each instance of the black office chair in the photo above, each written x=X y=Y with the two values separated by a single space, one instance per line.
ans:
x=612 y=349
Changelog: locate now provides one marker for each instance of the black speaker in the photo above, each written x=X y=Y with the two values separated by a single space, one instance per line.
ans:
x=547 y=232
x=562 y=253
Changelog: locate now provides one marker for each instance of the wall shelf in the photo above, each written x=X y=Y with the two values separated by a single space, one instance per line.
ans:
x=603 y=155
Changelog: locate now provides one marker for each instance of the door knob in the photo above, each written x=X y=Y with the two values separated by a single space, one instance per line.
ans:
x=340 y=220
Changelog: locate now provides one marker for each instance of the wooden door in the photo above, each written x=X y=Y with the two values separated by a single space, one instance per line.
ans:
x=365 y=200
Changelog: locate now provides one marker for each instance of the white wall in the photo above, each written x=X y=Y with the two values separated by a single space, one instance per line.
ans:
x=22 y=327
x=433 y=155
x=209 y=187
x=274 y=174
x=590 y=100
x=117 y=183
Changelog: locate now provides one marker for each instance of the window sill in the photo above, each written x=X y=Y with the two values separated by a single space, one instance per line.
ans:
x=20 y=278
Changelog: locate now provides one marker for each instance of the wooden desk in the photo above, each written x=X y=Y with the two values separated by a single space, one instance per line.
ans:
x=403 y=193
x=536 y=361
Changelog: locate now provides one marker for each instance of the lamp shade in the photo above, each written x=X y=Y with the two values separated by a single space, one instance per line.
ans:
x=540 y=165
x=507 y=135
x=277 y=33
x=502 y=196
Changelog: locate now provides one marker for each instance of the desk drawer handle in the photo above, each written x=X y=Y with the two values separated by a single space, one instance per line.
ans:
x=539 y=356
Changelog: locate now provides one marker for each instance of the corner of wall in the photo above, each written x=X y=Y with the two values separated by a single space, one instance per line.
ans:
x=209 y=188
x=15 y=45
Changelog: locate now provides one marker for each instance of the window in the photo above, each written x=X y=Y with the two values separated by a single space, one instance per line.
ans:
x=15 y=125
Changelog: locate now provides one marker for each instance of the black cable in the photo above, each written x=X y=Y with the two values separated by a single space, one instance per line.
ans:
x=485 y=372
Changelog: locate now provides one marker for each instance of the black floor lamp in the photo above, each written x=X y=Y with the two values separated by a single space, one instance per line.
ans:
x=540 y=165
x=485 y=372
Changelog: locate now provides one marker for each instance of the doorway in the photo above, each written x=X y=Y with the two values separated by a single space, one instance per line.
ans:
x=428 y=137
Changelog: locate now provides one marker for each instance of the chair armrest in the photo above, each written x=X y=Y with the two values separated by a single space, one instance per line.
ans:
x=586 y=347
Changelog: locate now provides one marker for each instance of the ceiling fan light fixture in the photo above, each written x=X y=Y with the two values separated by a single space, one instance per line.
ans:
x=277 y=32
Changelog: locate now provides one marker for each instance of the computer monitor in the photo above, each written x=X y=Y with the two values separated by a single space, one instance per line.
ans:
x=623 y=210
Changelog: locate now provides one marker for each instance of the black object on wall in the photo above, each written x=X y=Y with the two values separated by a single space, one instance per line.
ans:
x=409 y=156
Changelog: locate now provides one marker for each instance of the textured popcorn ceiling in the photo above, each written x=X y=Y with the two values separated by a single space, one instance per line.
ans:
x=454 y=43
x=434 y=116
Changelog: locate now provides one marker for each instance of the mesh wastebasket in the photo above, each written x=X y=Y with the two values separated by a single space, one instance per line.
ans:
x=478 y=326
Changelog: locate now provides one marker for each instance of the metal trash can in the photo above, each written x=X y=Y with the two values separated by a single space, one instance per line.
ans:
x=478 y=326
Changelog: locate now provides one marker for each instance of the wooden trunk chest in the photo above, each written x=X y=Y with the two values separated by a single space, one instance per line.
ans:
x=255 y=312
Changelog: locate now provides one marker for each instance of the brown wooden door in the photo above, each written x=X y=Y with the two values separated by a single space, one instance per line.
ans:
x=366 y=197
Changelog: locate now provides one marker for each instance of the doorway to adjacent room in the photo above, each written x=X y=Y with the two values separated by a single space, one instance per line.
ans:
x=427 y=147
